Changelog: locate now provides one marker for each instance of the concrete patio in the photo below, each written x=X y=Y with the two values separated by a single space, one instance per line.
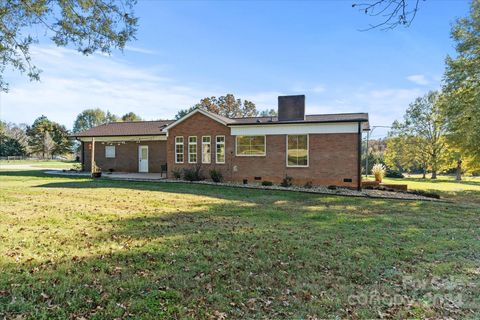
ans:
x=138 y=176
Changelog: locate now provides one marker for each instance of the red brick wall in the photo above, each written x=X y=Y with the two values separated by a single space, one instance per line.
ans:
x=126 y=156
x=200 y=125
x=332 y=157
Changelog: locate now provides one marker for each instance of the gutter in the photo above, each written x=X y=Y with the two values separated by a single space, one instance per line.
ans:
x=294 y=122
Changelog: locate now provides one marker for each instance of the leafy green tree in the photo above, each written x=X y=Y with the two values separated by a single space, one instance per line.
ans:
x=89 y=26
x=425 y=121
x=131 y=116
x=226 y=106
x=462 y=87
x=48 y=138
x=110 y=117
x=90 y=118
x=268 y=113
x=16 y=132
x=405 y=153
x=9 y=146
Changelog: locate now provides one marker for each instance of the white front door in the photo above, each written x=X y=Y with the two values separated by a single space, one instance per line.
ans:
x=143 y=159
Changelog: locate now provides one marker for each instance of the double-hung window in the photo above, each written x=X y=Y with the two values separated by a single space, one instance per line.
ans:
x=220 y=149
x=192 y=149
x=206 y=149
x=178 y=149
x=109 y=151
x=250 y=145
x=297 y=150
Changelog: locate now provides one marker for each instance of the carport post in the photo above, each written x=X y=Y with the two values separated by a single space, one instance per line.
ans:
x=92 y=157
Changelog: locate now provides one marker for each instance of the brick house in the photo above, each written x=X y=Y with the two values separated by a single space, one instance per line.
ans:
x=321 y=149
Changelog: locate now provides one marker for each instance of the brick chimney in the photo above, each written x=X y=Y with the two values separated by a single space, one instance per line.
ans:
x=291 y=108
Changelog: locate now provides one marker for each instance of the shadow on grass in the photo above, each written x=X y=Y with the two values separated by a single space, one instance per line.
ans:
x=185 y=265
x=264 y=254
x=40 y=173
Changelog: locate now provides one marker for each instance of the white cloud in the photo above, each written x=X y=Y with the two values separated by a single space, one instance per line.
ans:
x=318 y=89
x=419 y=79
x=383 y=105
x=71 y=82
x=139 y=50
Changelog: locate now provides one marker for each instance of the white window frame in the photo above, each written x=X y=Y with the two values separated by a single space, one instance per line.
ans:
x=224 y=149
x=308 y=151
x=209 y=143
x=196 y=149
x=110 y=155
x=251 y=155
x=183 y=149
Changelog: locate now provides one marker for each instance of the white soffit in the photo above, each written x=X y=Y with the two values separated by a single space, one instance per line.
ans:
x=297 y=128
x=124 y=138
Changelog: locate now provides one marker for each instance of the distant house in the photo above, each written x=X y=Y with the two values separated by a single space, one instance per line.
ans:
x=323 y=149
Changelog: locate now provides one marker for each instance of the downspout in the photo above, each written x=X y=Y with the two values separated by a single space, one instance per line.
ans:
x=359 y=162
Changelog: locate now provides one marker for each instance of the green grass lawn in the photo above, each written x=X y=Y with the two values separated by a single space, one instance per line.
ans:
x=83 y=249
x=467 y=190
x=40 y=163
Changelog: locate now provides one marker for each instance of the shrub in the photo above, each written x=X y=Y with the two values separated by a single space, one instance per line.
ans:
x=193 y=174
x=378 y=171
x=393 y=174
x=216 y=175
x=308 y=185
x=286 y=182
x=267 y=183
x=177 y=173
x=427 y=194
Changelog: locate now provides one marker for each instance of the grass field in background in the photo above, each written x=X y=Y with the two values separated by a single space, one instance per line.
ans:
x=467 y=190
x=40 y=163
x=102 y=249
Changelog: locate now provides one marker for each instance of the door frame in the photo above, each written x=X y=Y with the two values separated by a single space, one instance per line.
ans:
x=139 y=157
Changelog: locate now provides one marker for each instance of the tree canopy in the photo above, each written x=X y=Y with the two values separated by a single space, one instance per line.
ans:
x=89 y=26
x=227 y=106
x=48 y=138
x=462 y=86
x=420 y=138
x=131 y=116
x=90 y=118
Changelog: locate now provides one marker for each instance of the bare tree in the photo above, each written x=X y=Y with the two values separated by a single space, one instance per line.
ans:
x=393 y=13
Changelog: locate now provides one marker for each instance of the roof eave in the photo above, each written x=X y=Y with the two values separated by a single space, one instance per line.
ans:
x=296 y=122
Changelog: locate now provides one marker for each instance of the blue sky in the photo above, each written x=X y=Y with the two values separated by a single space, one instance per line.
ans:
x=186 y=50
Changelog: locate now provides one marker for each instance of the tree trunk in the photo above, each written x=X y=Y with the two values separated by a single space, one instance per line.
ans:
x=459 y=170
x=424 y=173
x=434 y=174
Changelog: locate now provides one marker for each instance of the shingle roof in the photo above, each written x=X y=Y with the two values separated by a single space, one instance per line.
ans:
x=133 y=128
x=146 y=128
x=313 y=118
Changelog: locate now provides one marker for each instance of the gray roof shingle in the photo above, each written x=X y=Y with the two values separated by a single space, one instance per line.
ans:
x=133 y=128
x=146 y=128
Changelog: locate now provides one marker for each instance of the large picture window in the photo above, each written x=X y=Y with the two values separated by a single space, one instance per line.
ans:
x=250 y=145
x=178 y=149
x=297 y=150
x=206 y=149
x=192 y=149
x=220 y=149
x=109 y=151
